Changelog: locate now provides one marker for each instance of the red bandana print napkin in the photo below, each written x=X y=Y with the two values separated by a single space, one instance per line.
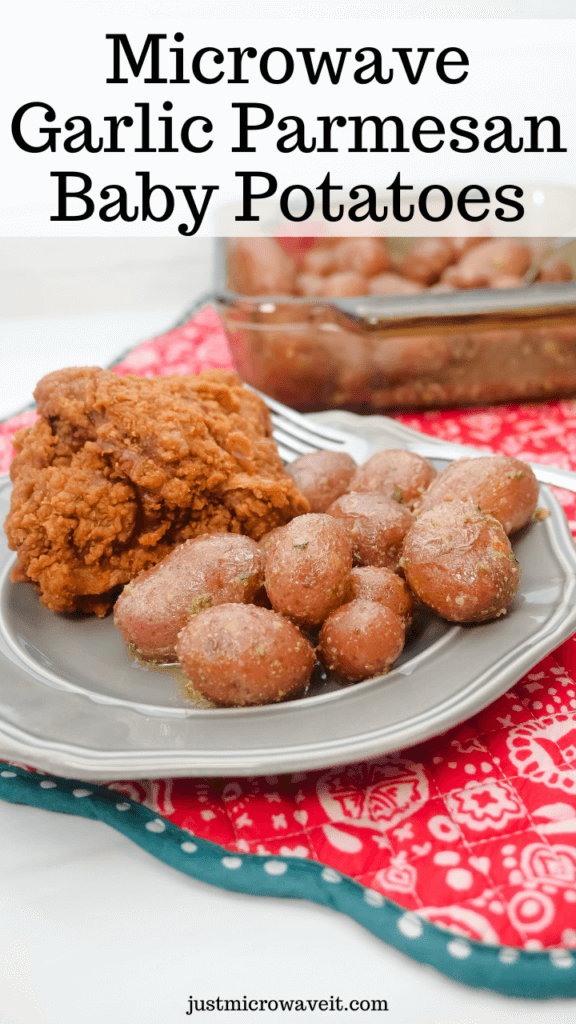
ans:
x=475 y=829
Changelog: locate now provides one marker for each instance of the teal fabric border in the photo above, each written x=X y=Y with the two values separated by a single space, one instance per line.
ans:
x=512 y=972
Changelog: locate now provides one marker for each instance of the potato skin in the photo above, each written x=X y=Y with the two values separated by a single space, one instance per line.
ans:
x=507 y=281
x=427 y=258
x=308 y=569
x=207 y=570
x=366 y=256
x=376 y=526
x=268 y=541
x=482 y=264
x=319 y=260
x=373 y=583
x=239 y=655
x=553 y=268
x=259 y=266
x=458 y=561
x=392 y=284
x=462 y=245
x=501 y=485
x=344 y=283
x=398 y=474
x=408 y=356
x=309 y=284
x=322 y=477
x=360 y=639
x=337 y=285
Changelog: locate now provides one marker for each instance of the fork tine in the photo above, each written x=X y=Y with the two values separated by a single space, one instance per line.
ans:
x=291 y=441
x=306 y=435
x=297 y=435
x=286 y=454
x=315 y=433
x=293 y=431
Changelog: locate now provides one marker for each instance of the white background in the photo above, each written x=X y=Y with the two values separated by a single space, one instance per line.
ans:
x=92 y=929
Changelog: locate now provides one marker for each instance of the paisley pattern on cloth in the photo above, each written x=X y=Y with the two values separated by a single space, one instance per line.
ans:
x=474 y=831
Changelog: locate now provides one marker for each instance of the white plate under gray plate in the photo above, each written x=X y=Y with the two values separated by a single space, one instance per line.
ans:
x=72 y=702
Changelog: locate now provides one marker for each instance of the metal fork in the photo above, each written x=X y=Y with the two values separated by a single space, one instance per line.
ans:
x=296 y=435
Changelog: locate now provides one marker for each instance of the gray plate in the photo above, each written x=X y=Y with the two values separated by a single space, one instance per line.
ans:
x=72 y=703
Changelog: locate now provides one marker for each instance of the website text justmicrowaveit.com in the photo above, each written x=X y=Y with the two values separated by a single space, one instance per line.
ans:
x=253 y=1005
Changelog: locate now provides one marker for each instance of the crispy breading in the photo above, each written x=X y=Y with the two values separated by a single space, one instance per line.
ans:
x=120 y=469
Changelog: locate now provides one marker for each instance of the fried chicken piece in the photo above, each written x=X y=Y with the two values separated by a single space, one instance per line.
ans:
x=120 y=469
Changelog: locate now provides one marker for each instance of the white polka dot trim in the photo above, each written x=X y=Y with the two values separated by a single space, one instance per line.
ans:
x=157 y=825
x=232 y=862
x=561 y=958
x=410 y=925
x=329 y=875
x=459 y=948
x=373 y=898
x=533 y=945
x=275 y=867
x=508 y=955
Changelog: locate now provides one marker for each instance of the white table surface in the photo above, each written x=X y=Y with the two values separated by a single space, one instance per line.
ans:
x=94 y=930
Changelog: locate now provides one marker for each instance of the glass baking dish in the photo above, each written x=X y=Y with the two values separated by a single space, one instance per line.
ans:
x=385 y=352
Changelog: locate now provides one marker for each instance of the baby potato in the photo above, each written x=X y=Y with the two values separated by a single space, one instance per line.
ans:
x=411 y=355
x=345 y=283
x=308 y=569
x=441 y=288
x=480 y=265
x=297 y=364
x=462 y=245
x=207 y=570
x=372 y=583
x=268 y=541
x=427 y=258
x=507 y=281
x=503 y=256
x=322 y=477
x=499 y=484
x=458 y=561
x=239 y=655
x=360 y=639
x=309 y=284
x=392 y=284
x=460 y=278
x=352 y=355
x=376 y=526
x=398 y=474
x=259 y=266
x=334 y=286
x=319 y=260
x=554 y=268
x=365 y=256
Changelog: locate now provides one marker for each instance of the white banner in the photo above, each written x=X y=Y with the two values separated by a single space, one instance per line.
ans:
x=138 y=125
